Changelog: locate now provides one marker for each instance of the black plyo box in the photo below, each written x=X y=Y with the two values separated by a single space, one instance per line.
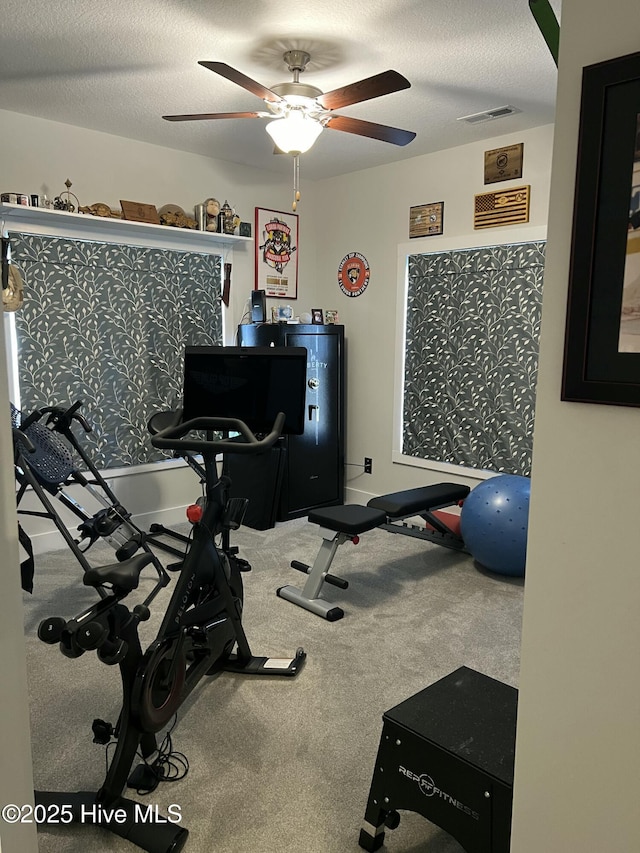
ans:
x=447 y=753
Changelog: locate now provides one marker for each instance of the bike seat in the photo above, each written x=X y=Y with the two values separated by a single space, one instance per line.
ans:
x=124 y=576
x=162 y=420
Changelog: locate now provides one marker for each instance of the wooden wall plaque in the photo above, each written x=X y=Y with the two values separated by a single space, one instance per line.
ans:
x=426 y=220
x=501 y=207
x=503 y=164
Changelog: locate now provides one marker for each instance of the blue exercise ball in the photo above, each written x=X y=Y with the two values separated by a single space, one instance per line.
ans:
x=494 y=522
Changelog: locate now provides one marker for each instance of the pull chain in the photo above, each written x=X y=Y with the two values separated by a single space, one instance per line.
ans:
x=296 y=181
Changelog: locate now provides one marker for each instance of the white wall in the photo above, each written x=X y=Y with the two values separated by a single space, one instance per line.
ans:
x=368 y=212
x=16 y=782
x=577 y=785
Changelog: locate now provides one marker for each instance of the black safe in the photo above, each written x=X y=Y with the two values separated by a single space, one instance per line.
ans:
x=306 y=471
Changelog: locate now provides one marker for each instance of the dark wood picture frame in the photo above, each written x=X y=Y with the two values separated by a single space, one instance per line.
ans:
x=596 y=368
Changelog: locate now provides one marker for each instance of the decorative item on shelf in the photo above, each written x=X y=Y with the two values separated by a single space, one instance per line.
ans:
x=316 y=317
x=305 y=318
x=66 y=204
x=101 y=209
x=200 y=213
x=212 y=211
x=244 y=229
x=330 y=317
x=174 y=216
x=136 y=211
x=229 y=219
x=15 y=198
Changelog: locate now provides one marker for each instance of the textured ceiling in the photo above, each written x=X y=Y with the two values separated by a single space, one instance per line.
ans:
x=118 y=66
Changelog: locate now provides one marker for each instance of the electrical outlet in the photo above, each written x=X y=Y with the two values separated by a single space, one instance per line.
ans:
x=368 y=465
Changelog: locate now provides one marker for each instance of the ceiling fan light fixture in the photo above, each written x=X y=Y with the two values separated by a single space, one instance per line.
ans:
x=295 y=133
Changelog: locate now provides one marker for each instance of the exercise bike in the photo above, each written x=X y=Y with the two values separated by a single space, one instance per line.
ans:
x=201 y=634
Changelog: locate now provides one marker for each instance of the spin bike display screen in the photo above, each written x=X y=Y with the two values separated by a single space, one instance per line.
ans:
x=252 y=384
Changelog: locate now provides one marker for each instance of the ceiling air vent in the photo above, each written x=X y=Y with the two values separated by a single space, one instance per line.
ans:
x=489 y=115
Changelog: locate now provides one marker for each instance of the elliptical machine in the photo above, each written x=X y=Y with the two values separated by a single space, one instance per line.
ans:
x=201 y=634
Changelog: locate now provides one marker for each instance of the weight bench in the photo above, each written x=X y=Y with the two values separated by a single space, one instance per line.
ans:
x=338 y=524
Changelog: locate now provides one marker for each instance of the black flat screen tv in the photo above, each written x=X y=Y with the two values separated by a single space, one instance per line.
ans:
x=252 y=384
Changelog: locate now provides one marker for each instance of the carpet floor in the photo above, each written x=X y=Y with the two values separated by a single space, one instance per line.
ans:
x=279 y=765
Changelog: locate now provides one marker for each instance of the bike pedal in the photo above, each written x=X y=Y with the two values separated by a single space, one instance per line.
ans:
x=102 y=731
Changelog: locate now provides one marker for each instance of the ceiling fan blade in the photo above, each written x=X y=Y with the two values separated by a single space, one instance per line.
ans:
x=242 y=80
x=364 y=90
x=367 y=128
x=207 y=116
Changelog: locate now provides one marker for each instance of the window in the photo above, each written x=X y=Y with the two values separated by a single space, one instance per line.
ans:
x=107 y=324
x=470 y=356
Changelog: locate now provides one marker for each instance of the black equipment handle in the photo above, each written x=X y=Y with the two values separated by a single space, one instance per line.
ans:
x=61 y=418
x=24 y=439
x=58 y=417
x=171 y=438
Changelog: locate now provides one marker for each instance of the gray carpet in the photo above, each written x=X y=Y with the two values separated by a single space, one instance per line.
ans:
x=281 y=765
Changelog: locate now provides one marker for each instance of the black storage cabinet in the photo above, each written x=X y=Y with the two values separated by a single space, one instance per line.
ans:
x=312 y=464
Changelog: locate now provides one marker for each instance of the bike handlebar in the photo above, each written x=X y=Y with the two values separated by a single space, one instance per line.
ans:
x=171 y=438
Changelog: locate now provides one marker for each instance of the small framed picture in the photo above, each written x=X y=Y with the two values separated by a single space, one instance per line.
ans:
x=316 y=317
x=282 y=313
x=330 y=316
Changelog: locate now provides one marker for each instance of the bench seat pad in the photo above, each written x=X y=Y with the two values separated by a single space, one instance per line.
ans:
x=349 y=518
x=423 y=499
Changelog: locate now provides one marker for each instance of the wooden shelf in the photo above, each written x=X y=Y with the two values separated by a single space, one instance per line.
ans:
x=81 y=226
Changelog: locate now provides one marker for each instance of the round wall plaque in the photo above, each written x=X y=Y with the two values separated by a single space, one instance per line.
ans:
x=353 y=274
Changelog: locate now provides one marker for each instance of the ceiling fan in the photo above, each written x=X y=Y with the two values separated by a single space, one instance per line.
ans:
x=299 y=112
x=305 y=109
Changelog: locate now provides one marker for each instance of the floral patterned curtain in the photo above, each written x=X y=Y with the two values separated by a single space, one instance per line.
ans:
x=471 y=356
x=107 y=324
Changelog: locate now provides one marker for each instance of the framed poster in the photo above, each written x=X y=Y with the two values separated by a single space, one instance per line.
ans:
x=602 y=338
x=276 y=247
